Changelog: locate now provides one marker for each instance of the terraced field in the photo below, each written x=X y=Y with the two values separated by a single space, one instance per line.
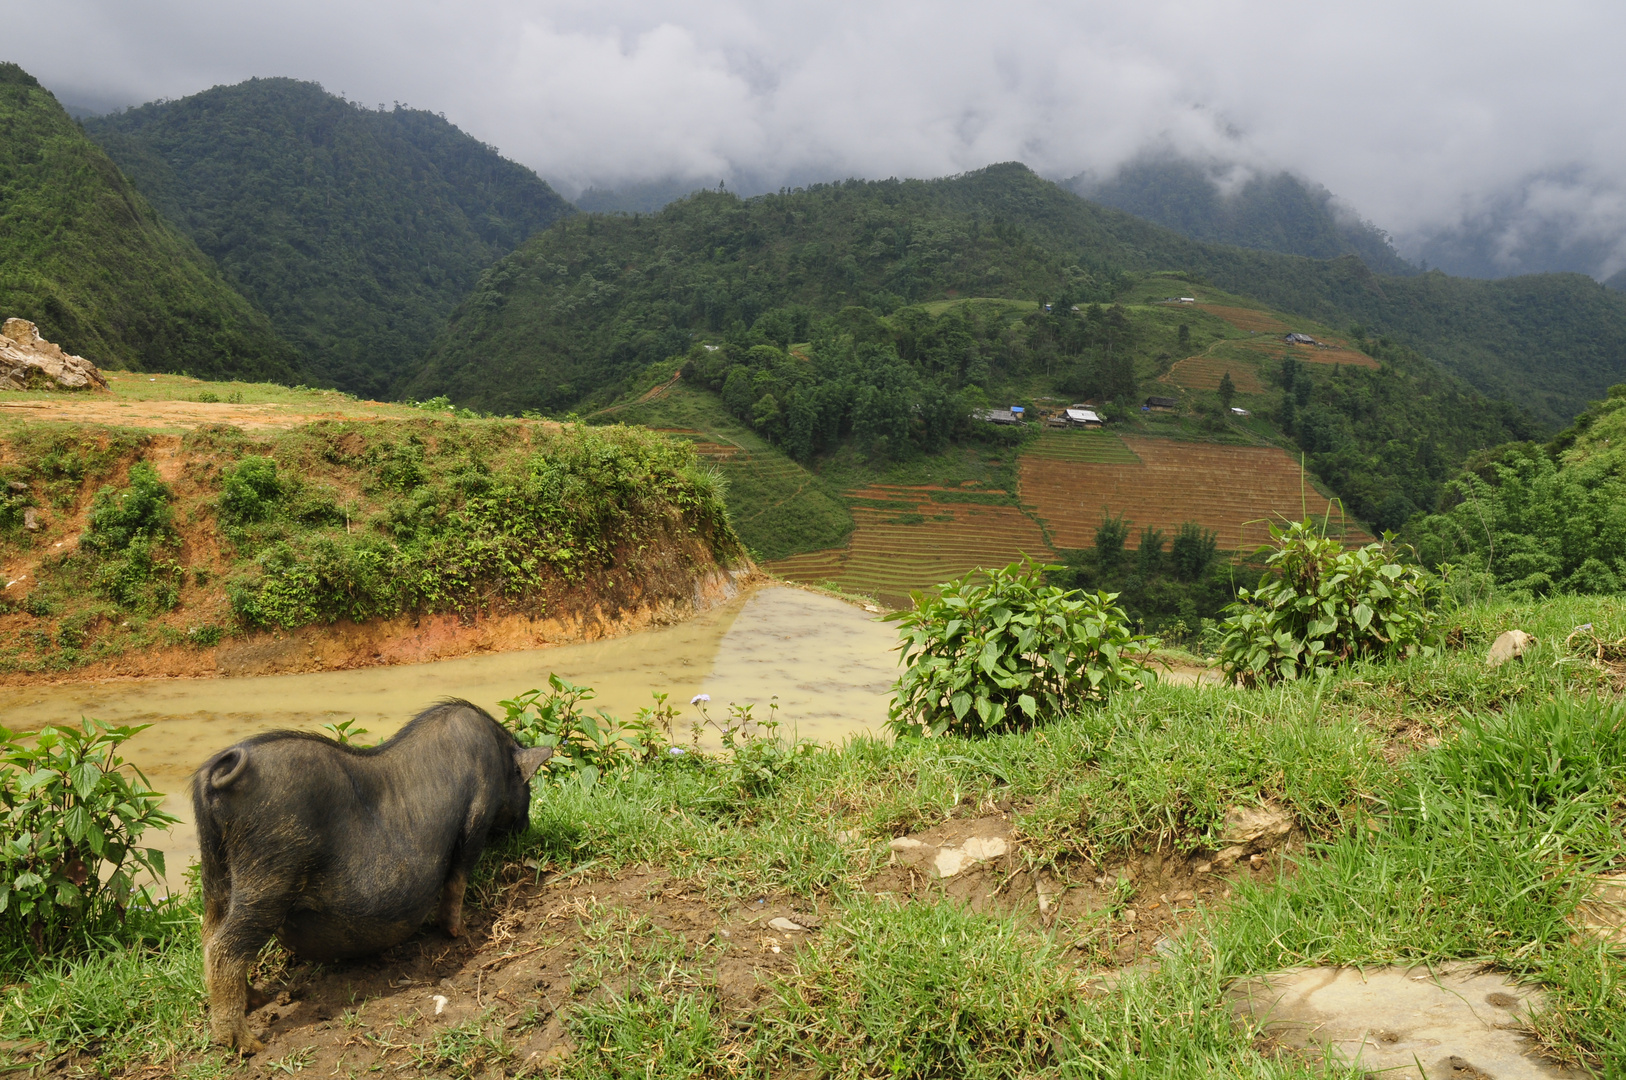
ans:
x=1205 y=372
x=1088 y=444
x=1247 y=318
x=1234 y=490
x=908 y=538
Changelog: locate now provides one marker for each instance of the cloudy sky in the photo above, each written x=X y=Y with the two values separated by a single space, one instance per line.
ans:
x=1492 y=122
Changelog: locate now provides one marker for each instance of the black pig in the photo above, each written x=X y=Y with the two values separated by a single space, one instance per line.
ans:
x=339 y=851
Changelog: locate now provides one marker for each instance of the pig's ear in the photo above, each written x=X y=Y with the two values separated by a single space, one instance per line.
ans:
x=530 y=759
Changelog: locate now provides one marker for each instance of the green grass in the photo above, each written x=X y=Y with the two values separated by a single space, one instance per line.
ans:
x=777 y=507
x=1452 y=812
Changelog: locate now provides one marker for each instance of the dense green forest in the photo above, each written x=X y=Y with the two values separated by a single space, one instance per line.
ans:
x=1278 y=212
x=1531 y=521
x=86 y=257
x=576 y=310
x=357 y=230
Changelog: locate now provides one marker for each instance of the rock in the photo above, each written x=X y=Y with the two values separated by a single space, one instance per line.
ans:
x=1603 y=913
x=784 y=924
x=31 y=519
x=1416 y=1024
x=1256 y=828
x=17 y=487
x=1512 y=645
x=29 y=362
x=953 y=847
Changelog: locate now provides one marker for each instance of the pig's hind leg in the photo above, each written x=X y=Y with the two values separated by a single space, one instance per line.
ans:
x=229 y=948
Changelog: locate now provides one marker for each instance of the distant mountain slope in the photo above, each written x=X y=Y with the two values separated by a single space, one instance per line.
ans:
x=87 y=258
x=357 y=231
x=1272 y=213
x=1550 y=342
x=589 y=302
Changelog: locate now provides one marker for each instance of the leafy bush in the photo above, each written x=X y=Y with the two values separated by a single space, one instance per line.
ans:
x=584 y=747
x=249 y=491
x=72 y=818
x=1001 y=650
x=140 y=511
x=1319 y=606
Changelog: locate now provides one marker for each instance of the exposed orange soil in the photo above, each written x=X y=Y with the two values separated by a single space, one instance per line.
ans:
x=1205 y=372
x=1234 y=490
x=1247 y=318
x=889 y=554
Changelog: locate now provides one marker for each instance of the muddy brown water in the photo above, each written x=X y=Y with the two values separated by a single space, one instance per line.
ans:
x=829 y=663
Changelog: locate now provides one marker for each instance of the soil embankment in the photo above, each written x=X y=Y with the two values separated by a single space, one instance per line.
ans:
x=206 y=538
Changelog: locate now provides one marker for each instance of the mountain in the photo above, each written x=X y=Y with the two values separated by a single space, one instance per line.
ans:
x=1269 y=212
x=593 y=300
x=356 y=230
x=105 y=276
x=646 y=197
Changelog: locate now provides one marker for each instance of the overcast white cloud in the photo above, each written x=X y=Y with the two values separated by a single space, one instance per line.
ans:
x=1424 y=116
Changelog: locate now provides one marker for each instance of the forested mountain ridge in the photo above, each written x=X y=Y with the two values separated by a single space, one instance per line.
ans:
x=588 y=302
x=1278 y=213
x=86 y=257
x=357 y=230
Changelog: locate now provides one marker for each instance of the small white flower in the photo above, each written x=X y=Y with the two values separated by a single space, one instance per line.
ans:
x=698 y=698
x=676 y=751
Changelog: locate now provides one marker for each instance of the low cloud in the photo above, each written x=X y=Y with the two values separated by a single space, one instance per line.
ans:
x=1431 y=120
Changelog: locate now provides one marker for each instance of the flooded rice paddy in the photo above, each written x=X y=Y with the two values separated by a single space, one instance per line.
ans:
x=830 y=665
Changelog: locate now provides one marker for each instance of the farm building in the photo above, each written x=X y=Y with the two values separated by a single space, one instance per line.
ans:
x=1297 y=338
x=1162 y=403
x=1080 y=417
x=999 y=416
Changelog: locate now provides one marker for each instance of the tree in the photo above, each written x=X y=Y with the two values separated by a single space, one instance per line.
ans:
x=1227 y=391
x=1109 y=541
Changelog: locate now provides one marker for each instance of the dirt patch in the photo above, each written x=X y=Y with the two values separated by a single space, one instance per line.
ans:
x=497 y=997
x=1116 y=914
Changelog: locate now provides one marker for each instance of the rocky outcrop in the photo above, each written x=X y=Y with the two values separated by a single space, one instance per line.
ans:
x=29 y=362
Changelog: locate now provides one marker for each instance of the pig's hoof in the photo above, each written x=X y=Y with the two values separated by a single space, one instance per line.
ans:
x=453 y=929
x=241 y=1039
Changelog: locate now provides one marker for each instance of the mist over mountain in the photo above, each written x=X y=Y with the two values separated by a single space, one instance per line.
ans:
x=356 y=230
x=83 y=255
x=1271 y=212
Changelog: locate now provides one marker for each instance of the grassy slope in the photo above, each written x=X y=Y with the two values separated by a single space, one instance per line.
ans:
x=358 y=231
x=777 y=507
x=85 y=256
x=918 y=985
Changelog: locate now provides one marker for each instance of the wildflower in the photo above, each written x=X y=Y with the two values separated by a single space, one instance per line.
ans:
x=676 y=751
x=698 y=698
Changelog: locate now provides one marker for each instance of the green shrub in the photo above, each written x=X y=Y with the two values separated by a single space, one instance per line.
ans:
x=584 y=747
x=140 y=511
x=249 y=491
x=1001 y=650
x=72 y=818
x=137 y=580
x=1319 y=606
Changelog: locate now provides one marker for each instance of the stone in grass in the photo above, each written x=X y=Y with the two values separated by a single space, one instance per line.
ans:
x=1401 y=1023
x=953 y=847
x=1511 y=645
x=1603 y=914
x=1249 y=830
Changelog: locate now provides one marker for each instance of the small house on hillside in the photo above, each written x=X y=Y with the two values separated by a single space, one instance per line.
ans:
x=1297 y=338
x=1081 y=417
x=1188 y=299
x=1162 y=403
x=998 y=416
